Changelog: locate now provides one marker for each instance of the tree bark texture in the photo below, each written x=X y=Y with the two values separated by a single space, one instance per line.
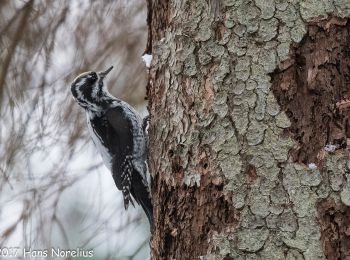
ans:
x=250 y=109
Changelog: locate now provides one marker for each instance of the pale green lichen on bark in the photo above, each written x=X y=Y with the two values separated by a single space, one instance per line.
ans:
x=251 y=240
x=278 y=208
x=345 y=193
x=296 y=226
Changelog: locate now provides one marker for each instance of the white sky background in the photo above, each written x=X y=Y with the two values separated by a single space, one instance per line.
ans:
x=65 y=197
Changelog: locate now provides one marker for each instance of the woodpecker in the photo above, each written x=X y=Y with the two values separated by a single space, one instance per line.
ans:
x=119 y=134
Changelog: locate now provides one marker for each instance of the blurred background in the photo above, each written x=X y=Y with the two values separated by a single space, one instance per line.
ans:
x=54 y=189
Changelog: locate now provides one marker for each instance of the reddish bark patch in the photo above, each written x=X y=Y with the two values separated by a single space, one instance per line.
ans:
x=313 y=88
x=251 y=174
x=335 y=229
x=185 y=221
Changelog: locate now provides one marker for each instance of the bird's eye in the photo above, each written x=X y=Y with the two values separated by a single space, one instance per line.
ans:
x=92 y=76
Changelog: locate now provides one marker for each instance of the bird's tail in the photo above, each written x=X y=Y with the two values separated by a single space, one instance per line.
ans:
x=146 y=204
x=141 y=194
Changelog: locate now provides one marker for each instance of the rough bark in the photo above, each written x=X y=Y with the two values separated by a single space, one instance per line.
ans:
x=312 y=87
x=231 y=88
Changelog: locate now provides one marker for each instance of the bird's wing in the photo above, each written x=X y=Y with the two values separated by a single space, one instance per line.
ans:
x=120 y=136
x=128 y=178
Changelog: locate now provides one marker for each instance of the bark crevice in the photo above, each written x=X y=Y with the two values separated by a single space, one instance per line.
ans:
x=334 y=219
x=195 y=214
x=312 y=88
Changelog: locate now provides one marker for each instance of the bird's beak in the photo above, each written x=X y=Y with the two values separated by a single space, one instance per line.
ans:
x=104 y=73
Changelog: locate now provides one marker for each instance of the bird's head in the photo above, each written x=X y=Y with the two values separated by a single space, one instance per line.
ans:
x=88 y=89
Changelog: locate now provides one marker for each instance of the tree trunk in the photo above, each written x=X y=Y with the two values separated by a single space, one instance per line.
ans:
x=249 y=129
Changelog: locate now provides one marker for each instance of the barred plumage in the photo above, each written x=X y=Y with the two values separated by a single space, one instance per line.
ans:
x=118 y=132
x=127 y=170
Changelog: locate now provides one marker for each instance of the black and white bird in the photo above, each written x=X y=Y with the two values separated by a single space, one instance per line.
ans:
x=119 y=134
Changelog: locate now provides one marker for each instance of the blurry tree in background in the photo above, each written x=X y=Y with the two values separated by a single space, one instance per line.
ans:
x=54 y=191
